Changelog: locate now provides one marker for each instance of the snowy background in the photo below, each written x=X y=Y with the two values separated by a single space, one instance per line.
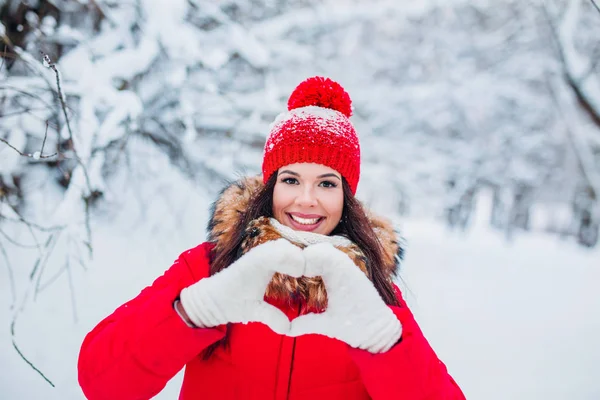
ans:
x=479 y=124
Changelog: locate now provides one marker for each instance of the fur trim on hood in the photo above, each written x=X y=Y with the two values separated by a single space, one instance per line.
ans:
x=228 y=211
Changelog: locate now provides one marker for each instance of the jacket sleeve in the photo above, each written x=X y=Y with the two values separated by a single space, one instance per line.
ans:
x=135 y=351
x=410 y=369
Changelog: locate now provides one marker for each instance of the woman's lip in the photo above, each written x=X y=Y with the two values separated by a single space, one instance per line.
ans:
x=301 y=227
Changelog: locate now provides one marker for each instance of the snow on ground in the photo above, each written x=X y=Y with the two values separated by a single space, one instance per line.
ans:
x=513 y=320
x=516 y=320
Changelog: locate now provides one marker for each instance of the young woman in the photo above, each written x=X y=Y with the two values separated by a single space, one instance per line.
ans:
x=291 y=297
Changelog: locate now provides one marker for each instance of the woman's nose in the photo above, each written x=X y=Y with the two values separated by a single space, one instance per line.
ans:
x=306 y=197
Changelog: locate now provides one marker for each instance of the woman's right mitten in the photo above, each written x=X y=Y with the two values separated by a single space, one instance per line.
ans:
x=236 y=294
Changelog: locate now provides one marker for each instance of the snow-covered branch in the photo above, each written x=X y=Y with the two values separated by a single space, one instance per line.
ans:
x=578 y=67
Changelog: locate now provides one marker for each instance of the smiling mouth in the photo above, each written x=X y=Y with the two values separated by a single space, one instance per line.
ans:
x=305 y=221
x=304 y=224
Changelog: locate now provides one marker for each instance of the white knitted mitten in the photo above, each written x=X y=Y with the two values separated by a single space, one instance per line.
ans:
x=356 y=314
x=236 y=293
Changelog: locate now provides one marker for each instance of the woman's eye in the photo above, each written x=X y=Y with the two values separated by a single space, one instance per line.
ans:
x=328 y=184
x=290 y=181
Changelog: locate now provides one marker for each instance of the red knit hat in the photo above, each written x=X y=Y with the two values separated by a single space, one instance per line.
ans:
x=316 y=129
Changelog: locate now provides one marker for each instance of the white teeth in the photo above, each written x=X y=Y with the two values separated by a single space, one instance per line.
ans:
x=305 y=221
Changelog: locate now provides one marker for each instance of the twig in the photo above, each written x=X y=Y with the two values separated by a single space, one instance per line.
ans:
x=51 y=280
x=45 y=136
x=3 y=55
x=19 y=112
x=35 y=155
x=24 y=93
x=11 y=277
x=14 y=242
x=14 y=343
x=26 y=58
x=78 y=256
x=39 y=259
x=16 y=316
x=42 y=262
x=31 y=224
x=595 y=5
x=14 y=148
x=584 y=156
x=593 y=65
x=27 y=224
x=72 y=290
x=88 y=226
x=574 y=82
x=48 y=63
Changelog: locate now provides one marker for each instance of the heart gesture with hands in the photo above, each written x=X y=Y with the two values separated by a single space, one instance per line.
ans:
x=356 y=314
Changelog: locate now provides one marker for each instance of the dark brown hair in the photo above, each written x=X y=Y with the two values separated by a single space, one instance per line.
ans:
x=355 y=225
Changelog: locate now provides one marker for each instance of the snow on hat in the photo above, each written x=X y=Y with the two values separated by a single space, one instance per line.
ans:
x=315 y=129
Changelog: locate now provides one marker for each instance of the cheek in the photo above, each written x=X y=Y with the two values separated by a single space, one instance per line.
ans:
x=281 y=199
x=334 y=204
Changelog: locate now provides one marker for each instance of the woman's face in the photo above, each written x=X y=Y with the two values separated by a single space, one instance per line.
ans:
x=308 y=197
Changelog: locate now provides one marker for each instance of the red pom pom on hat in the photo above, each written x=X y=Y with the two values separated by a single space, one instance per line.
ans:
x=321 y=92
x=316 y=129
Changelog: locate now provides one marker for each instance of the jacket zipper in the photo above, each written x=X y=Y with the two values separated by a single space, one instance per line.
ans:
x=292 y=361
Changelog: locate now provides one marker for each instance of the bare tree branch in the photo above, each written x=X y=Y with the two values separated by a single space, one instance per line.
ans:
x=11 y=277
x=14 y=343
x=71 y=289
x=45 y=137
x=77 y=255
x=41 y=262
x=50 y=280
x=3 y=55
x=27 y=94
x=14 y=148
x=36 y=155
x=15 y=243
x=19 y=112
x=583 y=153
x=573 y=81
x=48 y=63
x=31 y=224
x=22 y=307
x=26 y=58
x=596 y=55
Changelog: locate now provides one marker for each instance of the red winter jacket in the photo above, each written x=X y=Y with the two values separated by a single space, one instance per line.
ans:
x=134 y=352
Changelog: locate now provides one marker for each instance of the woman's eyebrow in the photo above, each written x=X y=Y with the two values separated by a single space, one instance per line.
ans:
x=287 y=171
x=328 y=175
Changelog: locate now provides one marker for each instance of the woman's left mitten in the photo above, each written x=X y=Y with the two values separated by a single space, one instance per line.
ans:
x=356 y=314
